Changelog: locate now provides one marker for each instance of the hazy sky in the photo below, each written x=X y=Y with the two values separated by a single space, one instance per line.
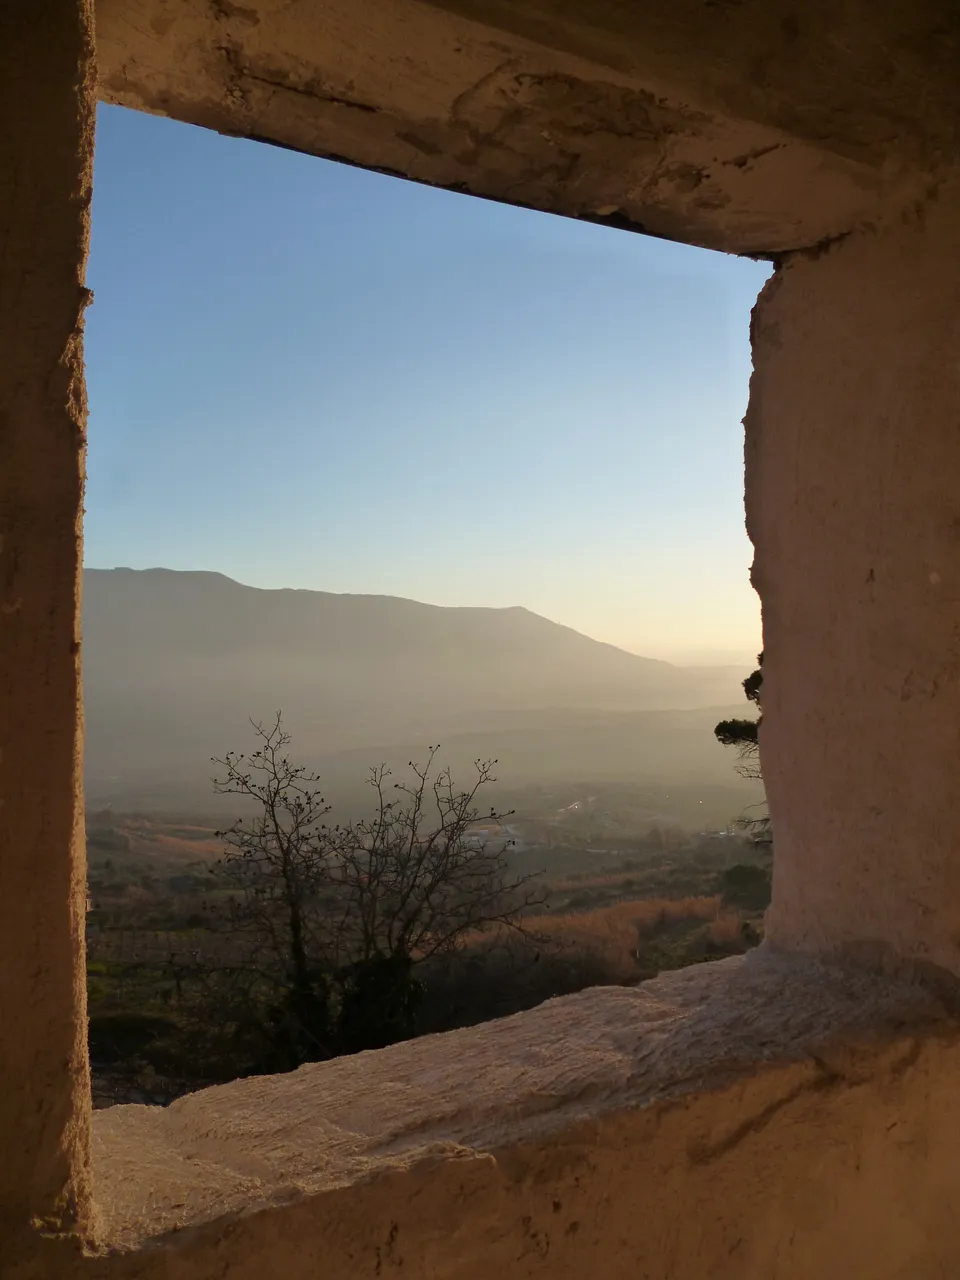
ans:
x=304 y=375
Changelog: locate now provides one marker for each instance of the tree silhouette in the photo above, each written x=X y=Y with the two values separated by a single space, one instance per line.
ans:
x=745 y=736
x=334 y=921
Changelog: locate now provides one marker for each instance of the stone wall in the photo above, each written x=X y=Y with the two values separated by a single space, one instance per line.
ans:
x=559 y=106
x=853 y=459
x=47 y=92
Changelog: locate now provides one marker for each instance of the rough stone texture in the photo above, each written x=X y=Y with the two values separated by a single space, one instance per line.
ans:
x=862 y=79
x=46 y=105
x=853 y=458
x=744 y=1119
x=558 y=112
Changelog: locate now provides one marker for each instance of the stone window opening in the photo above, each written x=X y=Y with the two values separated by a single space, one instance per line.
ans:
x=138 y=702
x=785 y=1115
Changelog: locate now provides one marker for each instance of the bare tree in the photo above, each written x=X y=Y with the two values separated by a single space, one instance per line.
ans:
x=339 y=918
x=420 y=875
x=275 y=861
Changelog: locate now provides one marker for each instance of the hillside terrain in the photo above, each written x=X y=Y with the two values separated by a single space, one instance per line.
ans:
x=175 y=663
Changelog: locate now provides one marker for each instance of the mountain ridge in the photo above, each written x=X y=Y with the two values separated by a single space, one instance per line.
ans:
x=202 y=577
x=175 y=664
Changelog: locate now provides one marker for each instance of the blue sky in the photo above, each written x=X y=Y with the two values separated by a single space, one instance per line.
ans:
x=304 y=375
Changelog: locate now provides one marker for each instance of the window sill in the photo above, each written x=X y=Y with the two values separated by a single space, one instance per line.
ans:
x=596 y=1122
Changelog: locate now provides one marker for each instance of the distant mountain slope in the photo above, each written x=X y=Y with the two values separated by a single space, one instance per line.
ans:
x=175 y=663
x=674 y=751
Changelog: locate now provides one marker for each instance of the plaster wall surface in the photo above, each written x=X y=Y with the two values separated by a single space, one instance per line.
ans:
x=46 y=105
x=853 y=458
x=563 y=111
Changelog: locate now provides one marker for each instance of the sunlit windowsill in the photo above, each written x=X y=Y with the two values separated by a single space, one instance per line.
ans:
x=516 y=1128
